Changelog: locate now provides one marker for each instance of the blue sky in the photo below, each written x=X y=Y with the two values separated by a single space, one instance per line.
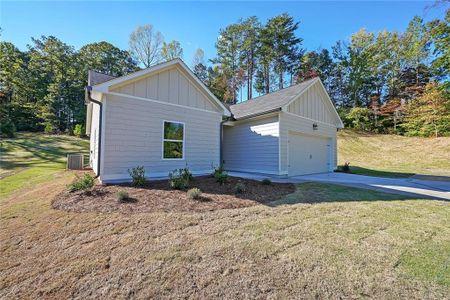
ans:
x=196 y=24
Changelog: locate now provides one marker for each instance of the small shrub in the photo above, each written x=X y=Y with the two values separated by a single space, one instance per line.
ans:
x=8 y=129
x=240 y=188
x=78 y=130
x=179 y=179
x=122 y=196
x=137 y=175
x=266 y=181
x=222 y=178
x=49 y=129
x=346 y=167
x=82 y=183
x=186 y=174
x=194 y=194
x=220 y=175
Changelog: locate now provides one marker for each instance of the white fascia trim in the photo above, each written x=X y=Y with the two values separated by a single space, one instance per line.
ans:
x=118 y=178
x=226 y=112
x=104 y=87
x=309 y=119
x=313 y=81
x=341 y=124
x=160 y=102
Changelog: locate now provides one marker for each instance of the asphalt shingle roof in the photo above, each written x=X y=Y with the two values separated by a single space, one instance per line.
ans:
x=97 y=78
x=269 y=102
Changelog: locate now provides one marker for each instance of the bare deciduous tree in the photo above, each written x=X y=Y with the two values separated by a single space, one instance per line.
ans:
x=199 y=57
x=145 y=45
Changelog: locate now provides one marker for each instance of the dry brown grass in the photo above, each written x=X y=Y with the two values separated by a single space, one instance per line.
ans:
x=394 y=155
x=319 y=249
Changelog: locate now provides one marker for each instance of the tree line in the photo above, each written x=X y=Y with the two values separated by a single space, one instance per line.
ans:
x=385 y=82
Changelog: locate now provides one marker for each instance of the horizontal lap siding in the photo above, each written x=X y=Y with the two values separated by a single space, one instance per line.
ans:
x=252 y=146
x=295 y=123
x=133 y=131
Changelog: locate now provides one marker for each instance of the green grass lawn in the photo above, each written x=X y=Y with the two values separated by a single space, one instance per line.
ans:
x=323 y=241
x=33 y=158
x=394 y=155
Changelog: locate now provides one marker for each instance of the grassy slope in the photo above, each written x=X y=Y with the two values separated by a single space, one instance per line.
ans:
x=393 y=155
x=33 y=158
x=323 y=241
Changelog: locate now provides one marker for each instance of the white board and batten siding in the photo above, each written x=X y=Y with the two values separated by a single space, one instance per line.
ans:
x=171 y=86
x=252 y=146
x=134 y=126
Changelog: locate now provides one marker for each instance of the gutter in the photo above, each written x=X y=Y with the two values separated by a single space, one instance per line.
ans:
x=100 y=104
x=259 y=114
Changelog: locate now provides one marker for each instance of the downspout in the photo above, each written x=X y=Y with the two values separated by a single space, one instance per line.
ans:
x=221 y=143
x=221 y=140
x=88 y=92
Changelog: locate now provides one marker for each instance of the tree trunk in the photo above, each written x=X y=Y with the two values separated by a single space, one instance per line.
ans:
x=280 y=78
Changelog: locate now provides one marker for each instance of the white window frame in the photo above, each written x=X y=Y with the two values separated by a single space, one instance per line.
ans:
x=169 y=140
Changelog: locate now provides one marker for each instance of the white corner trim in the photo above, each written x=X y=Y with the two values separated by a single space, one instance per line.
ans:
x=103 y=133
x=160 y=102
x=279 y=142
x=341 y=124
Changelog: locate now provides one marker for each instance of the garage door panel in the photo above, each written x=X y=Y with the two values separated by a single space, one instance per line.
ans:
x=308 y=154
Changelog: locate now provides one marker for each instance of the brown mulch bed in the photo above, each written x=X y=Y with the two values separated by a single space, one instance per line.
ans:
x=157 y=196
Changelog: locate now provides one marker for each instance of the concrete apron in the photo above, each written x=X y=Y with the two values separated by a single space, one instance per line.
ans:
x=403 y=186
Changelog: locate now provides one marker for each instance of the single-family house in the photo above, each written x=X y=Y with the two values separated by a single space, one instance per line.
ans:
x=164 y=118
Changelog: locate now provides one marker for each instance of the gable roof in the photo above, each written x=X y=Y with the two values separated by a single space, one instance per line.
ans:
x=105 y=86
x=95 y=77
x=276 y=101
x=269 y=102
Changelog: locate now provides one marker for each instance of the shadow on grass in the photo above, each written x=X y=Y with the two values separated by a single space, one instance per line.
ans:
x=38 y=148
x=376 y=173
x=311 y=192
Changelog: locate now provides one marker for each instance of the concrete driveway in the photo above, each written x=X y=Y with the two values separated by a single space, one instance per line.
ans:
x=406 y=186
x=410 y=186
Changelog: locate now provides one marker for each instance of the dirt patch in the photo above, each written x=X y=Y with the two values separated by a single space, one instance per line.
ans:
x=157 y=196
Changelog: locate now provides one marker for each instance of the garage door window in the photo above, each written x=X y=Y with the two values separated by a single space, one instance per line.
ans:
x=173 y=140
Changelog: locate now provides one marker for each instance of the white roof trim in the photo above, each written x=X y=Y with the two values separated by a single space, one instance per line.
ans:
x=104 y=87
x=341 y=124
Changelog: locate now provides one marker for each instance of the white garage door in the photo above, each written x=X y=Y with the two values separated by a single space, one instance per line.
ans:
x=308 y=154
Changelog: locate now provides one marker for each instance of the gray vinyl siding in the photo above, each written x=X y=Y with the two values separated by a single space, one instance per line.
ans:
x=299 y=124
x=252 y=146
x=133 y=137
